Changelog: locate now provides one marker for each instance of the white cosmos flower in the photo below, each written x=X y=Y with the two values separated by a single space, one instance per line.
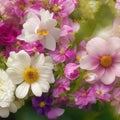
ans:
x=41 y=28
x=27 y=73
x=6 y=94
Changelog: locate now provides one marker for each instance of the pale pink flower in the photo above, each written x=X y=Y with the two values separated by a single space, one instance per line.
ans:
x=117 y=5
x=103 y=58
x=102 y=91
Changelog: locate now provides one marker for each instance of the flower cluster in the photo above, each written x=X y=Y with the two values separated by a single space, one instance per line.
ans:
x=40 y=60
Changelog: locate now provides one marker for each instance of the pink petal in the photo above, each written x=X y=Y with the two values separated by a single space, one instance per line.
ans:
x=96 y=47
x=88 y=63
x=55 y=112
x=113 y=44
x=99 y=71
x=108 y=77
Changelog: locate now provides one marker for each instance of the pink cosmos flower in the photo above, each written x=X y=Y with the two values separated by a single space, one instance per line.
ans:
x=103 y=58
x=83 y=97
x=102 y=91
x=71 y=71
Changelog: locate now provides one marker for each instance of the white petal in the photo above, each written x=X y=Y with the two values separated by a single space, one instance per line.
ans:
x=23 y=58
x=36 y=89
x=52 y=78
x=49 y=42
x=44 y=86
x=38 y=60
x=22 y=90
x=13 y=108
x=14 y=76
x=4 y=112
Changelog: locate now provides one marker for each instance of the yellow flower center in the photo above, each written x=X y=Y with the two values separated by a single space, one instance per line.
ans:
x=21 y=6
x=78 y=58
x=99 y=91
x=62 y=52
x=42 y=32
x=30 y=75
x=84 y=94
x=106 y=61
x=55 y=8
x=42 y=104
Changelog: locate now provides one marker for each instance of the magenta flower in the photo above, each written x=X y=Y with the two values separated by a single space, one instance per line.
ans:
x=102 y=91
x=8 y=34
x=62 y=85
x=83 y=97
x=103 y=58
x=63 y=55
x=63 y=7
x=71 y=71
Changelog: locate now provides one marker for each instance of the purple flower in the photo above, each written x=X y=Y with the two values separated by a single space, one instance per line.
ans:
x=84 y=97
x=8 y=34
x=102 y=91
x=71 y=71
x=43 y=104
x=62 y=85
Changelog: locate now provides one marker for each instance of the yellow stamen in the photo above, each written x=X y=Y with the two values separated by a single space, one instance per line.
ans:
x=42 y=104
x=62 y=52
x=30 y=75
x=55 y=8
x=84 y=95
x=99 y=91
x=106 y=61
x=21 y=6
x=42 y=32
x=78 y=58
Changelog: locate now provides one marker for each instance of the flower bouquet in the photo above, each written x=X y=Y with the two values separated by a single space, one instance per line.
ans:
x=56 y=53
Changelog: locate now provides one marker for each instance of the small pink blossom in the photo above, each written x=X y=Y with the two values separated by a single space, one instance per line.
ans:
x=84 y=97
x=117 y=5
x=71 y=71
x=103 y=58
x=102 y=91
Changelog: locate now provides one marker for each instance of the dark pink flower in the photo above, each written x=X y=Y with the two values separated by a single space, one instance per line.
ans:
x=8 y=34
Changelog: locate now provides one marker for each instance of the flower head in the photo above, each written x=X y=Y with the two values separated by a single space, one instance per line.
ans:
x=42 y=27
x=43 y=104
x=103 y=58
x=27 y=72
